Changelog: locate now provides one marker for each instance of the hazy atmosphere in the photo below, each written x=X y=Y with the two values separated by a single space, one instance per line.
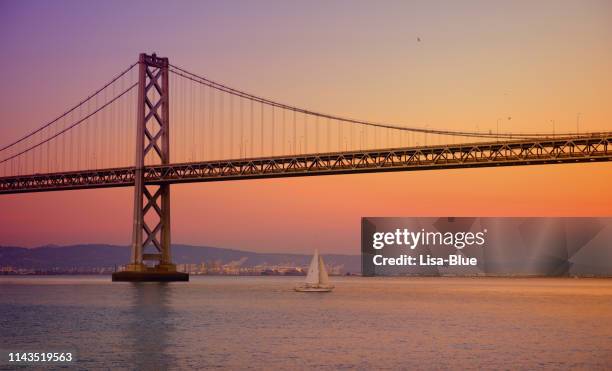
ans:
x=536 y=66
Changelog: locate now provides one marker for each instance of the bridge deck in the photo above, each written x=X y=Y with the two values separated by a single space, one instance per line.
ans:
x=595 y=147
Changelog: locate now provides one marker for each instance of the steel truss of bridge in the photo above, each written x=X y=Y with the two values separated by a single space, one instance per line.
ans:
x=588 y=148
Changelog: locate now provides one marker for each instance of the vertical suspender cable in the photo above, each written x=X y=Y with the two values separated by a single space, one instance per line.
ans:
x=242 y=148
x=294 y=133
x=212 y=123
x=193 y=125
x=317 y=134
x=262 y=129
x=231 y=126
x=283 y=130
x=305 y=133
x=251 y=130
x=221 y=125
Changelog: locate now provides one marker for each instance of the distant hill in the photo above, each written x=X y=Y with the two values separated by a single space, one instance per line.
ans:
x=46 y=257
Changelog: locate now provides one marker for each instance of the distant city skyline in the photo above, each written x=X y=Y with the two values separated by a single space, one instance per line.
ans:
x=106 y=259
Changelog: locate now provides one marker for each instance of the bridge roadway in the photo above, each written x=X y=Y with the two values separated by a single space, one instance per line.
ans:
x=586 y=148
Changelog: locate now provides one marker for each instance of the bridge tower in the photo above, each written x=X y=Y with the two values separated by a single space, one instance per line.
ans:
x=151 y=224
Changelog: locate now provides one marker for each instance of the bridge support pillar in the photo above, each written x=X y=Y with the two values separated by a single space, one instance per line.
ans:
x=151 y=255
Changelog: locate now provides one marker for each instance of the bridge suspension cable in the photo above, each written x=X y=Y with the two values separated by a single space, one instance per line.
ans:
x=62 y=131
x=95 y=133
x=72 y=109
x=224 y=88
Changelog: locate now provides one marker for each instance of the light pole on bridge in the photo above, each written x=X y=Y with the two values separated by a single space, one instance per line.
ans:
x=498 y=120
x=553 y=127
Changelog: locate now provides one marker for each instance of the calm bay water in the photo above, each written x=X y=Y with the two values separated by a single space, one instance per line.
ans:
x=259 y=322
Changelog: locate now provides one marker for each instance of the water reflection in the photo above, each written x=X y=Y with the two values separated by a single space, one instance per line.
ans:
x=365 y=323
x=151 y=325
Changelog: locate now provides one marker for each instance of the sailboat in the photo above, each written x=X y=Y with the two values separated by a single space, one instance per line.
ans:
x=317 y=279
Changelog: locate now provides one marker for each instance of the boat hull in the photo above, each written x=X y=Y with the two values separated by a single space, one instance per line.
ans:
x=314 y=289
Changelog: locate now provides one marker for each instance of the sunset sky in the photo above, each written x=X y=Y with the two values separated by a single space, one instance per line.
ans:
x=477 y=61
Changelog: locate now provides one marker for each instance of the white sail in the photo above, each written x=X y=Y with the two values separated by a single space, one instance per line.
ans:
x=323 y=277
x=313 y=271
x=317 y=279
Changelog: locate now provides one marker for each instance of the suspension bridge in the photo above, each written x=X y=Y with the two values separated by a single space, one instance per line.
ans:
x=155 y=124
